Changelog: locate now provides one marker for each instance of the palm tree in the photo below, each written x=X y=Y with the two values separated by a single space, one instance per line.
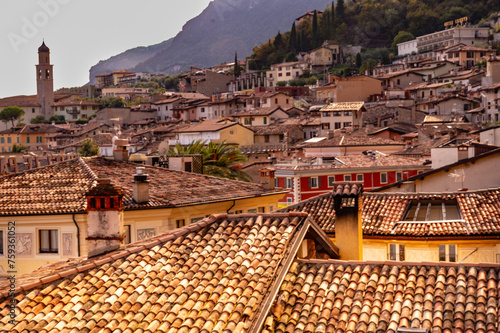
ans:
x=219 y=159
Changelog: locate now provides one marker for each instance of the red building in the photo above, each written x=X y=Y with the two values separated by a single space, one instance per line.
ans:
x=307 y=179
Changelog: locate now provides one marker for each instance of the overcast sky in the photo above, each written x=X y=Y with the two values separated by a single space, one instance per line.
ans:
x=79 y=33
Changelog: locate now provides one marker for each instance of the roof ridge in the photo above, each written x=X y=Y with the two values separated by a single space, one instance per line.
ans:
x=397 y=263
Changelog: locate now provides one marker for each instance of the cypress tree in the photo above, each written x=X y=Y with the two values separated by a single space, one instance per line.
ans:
x=315 y=30
x=292 y=42
x=340 y=10
x=237 y=69
x=332 y=22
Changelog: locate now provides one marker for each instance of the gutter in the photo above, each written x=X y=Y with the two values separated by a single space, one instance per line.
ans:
x=77 y=234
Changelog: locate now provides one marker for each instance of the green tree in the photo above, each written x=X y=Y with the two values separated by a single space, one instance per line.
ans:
x=219 y=160
x=401 y=37
x=89 y=148
x=340 y=11
x=38 y=119
x=358 y=60
x=11 y=113
x=17 y=148
x=237 y=69
x=292 y=40
x=315 y=37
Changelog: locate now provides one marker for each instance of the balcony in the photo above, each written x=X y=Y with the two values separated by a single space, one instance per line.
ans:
x=73 y=111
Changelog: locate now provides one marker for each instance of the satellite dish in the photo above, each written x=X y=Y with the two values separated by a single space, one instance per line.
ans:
x=163 y=148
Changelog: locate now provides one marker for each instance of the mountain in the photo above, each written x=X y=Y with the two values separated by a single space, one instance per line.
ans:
x=212 y=37
x=128 y=59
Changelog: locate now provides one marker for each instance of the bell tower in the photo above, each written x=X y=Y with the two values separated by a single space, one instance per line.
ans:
x=45 y=82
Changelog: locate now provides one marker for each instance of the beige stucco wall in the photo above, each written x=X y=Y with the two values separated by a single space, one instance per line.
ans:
x=239 y=135
x=141 y=223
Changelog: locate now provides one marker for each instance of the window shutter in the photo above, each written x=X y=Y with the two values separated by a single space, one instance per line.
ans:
x=310 y=182
x=319 y=182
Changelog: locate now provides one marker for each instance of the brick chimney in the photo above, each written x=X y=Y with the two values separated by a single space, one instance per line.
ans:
x=141 y=186
x=348 y=205
x=120 y=151
x=267 y=178
x=104 y=218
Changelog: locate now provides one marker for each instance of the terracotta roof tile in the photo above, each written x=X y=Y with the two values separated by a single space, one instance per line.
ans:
x=61 y=188
x=203 y=279
x=383 y=214
x=337 y=296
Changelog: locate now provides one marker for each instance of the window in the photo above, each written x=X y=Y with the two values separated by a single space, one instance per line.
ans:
x=126 y=239
x=288 y=183
x=314 y=182
x=238 y=211
x=337 y=113
x=396 y=252
x=265 y=120
x=383 y=178
x=289 y=200
x=17 y=139
x=1 y=243
x=347 y=178
x=347 y=124
x=266 y=138
x=261 y=209
x=338 y=125
x=433 y=211
x=2 y=140
x=84 y=116
x=448 y=253
x=359 y=178
x=331 y=181
x=8 y=139
x=39 y=139
x=27 y=139
x=399 y=176
x=326 y=114
x=347 y=113
x=48 y=241
x=252 y=211
x=180 y=223
x=196 y=219
x=276 y=182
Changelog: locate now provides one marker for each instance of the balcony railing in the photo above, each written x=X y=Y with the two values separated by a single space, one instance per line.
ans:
x=72 y=111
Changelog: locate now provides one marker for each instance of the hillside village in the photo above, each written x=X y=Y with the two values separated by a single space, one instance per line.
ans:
x=372 y=202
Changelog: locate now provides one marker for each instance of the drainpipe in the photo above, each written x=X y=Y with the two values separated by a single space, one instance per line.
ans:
x=234 y=204
x=77 y=234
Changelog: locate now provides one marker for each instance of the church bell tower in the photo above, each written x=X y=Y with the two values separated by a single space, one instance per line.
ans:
x=45 y=82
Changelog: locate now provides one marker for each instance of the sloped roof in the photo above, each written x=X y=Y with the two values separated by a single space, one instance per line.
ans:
x=353 y=139
x=33 y=128
x=61 y=188
x=343 y=106
x=258 y=112
x=382 y=213
x=209 y=125
x=211 y=276
x=336 y=296
x=275 y=129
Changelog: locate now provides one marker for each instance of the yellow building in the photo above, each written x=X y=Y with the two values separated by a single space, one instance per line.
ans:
x=33 y=136
x=415 y=227
x=467 y=56
x=349 y=89
x=48 y=205
x=216 y=131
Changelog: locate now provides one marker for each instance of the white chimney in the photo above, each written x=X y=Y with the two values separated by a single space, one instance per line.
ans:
x=141 y=186
x=104 y=218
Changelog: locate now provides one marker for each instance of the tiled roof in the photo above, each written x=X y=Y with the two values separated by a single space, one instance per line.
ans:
x=357 y=138
x=209 y=125
x=61 y=188
x=74 y=102
x=210 y=276
x=355 y=161
x=334 y=296
x=480 y=212
x=342 y=106
x=33 y=128
x=258 y=112
x=272 y=129
x=21 y=101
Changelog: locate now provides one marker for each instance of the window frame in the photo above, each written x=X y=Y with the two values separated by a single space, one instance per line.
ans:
x=50 y=250
x=396 y=252
x=384 y=175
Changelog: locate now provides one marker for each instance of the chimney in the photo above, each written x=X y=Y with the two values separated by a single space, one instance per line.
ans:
x=120 y=151
x=348 y=205
x=141 y=186
x=267 y=178
x=330 y=134
x=104 y=218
